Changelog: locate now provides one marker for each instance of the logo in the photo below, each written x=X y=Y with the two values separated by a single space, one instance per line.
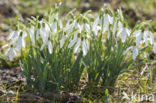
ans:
x=137 y=97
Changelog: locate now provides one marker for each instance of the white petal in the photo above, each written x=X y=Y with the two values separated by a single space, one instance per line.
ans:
x=10 y=35
x=96 y=22
x=6 y=45
x=120 y=25
x=14 y=51
x=11 y=54
x=123 y=35
x=139 y=36
x=32 y=35
x=80 y=28
x=115 y=27
x=151 y=37
x=13 y=35
x=54 y=27
x=61 y=25
x=43 y=45
x=62 y=41
x=43 y=35
x=37 y=34
x=119 y=32
x=84 y=48
x=47 y=27
x=128 y=31
x=50 y=47
x=110 y=19
x=23 y=43
x=77 y=25
x=87 y=44
x=108 y=34
x=135 y=52
x=125 y=52
x=77 y=45
x=87 y=27
x=19 y=43
x=24 y=34
x=72 y=42
x=145 y=36
x=154 y=48
x=6 y=51
x=106 y=23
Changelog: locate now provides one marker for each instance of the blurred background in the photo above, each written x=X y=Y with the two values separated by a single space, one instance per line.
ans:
x=11 y=10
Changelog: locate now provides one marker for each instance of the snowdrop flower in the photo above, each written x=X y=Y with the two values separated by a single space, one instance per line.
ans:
x=139 y=35
x=87 y=27
x=76 y=33
x=72 y=41
x=151 y=37
x=123 y=33
x=63 y=40
x=49 y=44
x=60 y=24
x=115 y=27
x=154 y=48
x=135 y=52
x=11 y=51
x=20 y=41
x=44 y=31
x=95 y=27
x=83 y=44
x=68 y=29
x=13 y=35
x=148 y=36
x=54 y=26
x=128 y=49
x=69 y=26
x=32 y=34
x=107 y=21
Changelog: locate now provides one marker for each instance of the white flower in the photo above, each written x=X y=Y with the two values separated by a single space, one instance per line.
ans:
x=63 y=40
x=11 y=52
x=80 y=44
x=32 y=34
x=151 y=37
x=83 y=44
x=125 y=52
x=87 y=27
x=154 y=48
x=148 y=36
x=72 y=42
x=79 y=27
x=95 y=27
x=60 y=24
x=44 y=32
x=69 y=27
x=139 y=35
x=123 y=33
x=49 y=44
x=54 y=27
x=107 y=20
x=108 y=33
x=13 y=35
x=135 y=52
x=115 y=27
x=20 y=41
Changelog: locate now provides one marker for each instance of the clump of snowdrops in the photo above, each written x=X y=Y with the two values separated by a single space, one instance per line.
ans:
x=56 y=52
